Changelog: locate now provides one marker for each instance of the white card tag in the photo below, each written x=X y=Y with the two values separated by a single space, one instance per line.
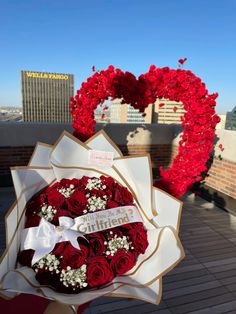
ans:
x=101 y=158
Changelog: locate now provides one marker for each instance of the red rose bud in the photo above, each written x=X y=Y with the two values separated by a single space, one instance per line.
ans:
x=161 y=105
x=93 y=68
x=175 y=109
x=103 y=116
x=105 y=108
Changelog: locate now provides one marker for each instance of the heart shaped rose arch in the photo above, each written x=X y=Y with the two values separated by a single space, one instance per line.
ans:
x=180 y=85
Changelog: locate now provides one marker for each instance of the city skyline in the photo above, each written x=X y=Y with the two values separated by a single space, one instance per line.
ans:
x=72 y=37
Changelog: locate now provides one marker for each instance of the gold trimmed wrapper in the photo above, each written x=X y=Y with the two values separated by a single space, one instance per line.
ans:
x=161 y=213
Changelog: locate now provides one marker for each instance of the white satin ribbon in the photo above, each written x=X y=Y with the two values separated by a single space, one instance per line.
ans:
x=44 y=237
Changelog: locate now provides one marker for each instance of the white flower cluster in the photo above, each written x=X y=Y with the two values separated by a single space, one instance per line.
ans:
x=67 y=191
x=47 y=212
x=116 y=243
x=49 y=262
x=74 y=277
x=96 y=184
x=95 y=203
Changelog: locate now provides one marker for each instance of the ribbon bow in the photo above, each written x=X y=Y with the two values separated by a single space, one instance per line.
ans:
x=44 y=237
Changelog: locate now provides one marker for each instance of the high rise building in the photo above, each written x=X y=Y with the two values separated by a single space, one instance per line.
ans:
x=230 y=123
x=46 y=96
x=167 y=111
x=221 y=124
x=123 y=113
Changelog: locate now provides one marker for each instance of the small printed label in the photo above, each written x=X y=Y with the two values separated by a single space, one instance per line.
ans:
x=101 y=158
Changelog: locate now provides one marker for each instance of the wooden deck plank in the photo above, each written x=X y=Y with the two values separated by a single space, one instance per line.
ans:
x=203 y=304
x=188 y=282
x=218 y=309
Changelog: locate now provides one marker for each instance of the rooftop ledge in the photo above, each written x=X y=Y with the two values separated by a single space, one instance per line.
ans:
x=159 y=140
x=28 y=134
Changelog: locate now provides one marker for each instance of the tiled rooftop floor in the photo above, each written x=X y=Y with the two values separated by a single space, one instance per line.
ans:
x=204 y=282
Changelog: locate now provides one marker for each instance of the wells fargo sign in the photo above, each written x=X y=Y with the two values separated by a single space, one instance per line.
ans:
x=47 y=75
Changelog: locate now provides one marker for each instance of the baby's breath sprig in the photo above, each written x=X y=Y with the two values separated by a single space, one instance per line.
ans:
x=115 y=243
x=74 y=278
x=96 y=184
x=66 y=192
x=48 y=262
x=47 y=212
x=95 y=203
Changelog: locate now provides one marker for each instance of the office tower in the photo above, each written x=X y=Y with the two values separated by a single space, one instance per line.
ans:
x=46 y=96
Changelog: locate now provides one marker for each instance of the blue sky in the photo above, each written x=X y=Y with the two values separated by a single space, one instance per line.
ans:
x=71 y=36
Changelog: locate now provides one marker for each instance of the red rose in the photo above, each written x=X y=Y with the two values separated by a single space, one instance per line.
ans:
x=25 y=257
x=83 y=181
x=98 y=271
x=60 y=213
x=138 y=237
x=123 y=196
x=34 y=205
x=96 y=244
x=77 y=203
x=54 y=186
x=32 y=221
x=132 y=225
x=111 y=204
x=59 y=248
x=181 y=61
x=122 y=261
x=44 y=277
x=73 y=257
x=108 y=181
x=55 y=198
x=66 y=183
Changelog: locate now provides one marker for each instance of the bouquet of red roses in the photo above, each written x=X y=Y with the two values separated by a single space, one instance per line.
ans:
x=87 y=222
x=90 y=257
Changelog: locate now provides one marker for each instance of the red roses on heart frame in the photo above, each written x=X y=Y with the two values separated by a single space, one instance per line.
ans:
x=102 y=255
x=180 y=85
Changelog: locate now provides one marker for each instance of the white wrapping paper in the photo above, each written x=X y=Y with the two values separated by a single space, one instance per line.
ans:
x=69 y=158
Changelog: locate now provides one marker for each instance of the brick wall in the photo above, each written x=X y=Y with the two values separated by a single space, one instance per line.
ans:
x=161 y=141
x=222 y=176
x=12 y=156
x=161 y=155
